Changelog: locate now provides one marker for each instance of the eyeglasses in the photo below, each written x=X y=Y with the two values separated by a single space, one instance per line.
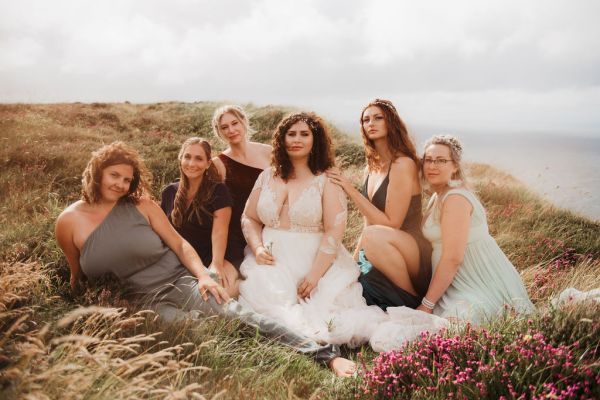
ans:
x=437 y=161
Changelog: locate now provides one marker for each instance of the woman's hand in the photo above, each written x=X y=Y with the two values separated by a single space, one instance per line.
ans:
x=219 y=270
x=335 y=176
x=207 y=284
x=424 y=309
x=307 y=284
x=263 y=256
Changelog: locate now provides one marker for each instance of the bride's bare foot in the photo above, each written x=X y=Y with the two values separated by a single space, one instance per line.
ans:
x=342 y=366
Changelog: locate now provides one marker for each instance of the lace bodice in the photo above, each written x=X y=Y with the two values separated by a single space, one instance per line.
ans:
x=276 y=207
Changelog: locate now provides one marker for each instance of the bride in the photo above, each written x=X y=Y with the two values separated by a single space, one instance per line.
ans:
x=298 y=272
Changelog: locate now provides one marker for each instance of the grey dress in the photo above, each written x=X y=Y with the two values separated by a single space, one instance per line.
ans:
x=125 y=245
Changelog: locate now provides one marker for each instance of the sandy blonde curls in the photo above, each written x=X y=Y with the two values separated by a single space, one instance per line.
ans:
x=109 y=155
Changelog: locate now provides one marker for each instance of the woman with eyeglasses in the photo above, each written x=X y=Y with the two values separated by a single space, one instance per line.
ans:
x=472 y=278
x=393 y=255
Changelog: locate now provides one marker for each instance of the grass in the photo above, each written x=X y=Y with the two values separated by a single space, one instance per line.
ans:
x=53 y=345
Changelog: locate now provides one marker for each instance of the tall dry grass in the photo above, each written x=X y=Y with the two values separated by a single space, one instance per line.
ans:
x=53 y=345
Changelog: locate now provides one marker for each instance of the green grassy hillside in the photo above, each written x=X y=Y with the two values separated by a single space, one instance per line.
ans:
x=50 y=347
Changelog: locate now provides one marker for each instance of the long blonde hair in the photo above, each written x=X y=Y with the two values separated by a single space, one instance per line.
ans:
x=205 y=191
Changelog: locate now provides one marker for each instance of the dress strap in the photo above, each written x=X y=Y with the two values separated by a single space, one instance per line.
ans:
x=321 y=180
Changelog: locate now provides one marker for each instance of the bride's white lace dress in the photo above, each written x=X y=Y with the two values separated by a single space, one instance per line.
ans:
x=298 y=226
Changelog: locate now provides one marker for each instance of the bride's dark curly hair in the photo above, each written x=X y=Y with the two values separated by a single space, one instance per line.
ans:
x=321 y=155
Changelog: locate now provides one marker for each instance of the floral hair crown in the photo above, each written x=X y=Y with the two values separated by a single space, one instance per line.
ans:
x=447 y=140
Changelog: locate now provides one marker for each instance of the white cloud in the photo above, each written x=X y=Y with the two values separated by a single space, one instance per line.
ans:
x=498 y=63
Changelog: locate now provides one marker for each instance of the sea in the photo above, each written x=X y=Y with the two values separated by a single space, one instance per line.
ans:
x=562 y=168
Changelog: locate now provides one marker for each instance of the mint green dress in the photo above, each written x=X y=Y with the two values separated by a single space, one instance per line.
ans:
x=486 y=282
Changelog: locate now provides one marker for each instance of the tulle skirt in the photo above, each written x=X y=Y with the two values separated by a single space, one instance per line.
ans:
x=336 y=312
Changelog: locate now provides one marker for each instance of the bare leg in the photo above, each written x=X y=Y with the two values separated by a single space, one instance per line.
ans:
x=394 y=253
x=342 y=366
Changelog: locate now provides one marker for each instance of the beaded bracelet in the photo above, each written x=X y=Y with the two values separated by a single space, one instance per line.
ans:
x=427 y=303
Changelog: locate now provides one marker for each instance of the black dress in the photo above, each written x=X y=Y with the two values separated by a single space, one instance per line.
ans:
x=197 y=233
x=377 y=288
x=240 y=179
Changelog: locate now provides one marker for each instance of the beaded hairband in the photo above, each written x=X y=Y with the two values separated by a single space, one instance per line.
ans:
x=308 y=121
x=385 y=103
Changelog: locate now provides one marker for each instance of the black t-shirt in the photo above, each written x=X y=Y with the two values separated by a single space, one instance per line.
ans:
x=196 y=233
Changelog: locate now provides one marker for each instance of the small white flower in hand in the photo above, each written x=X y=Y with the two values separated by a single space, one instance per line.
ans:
x=269 y=247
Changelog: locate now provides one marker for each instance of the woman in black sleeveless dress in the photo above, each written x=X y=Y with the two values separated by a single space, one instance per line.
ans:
x=239 y=165
x=393 y=255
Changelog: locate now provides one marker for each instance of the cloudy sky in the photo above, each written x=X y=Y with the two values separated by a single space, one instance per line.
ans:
x=487 y=66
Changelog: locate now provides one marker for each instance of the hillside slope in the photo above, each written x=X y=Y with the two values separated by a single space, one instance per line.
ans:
x=44 y=150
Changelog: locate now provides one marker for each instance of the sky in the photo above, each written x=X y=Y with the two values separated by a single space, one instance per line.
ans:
x=479 y=66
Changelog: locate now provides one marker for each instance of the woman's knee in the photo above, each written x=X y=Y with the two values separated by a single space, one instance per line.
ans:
x=374 y=236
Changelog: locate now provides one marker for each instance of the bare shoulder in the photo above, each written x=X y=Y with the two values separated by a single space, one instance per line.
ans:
x=403 y=168
x=457 y=202
x=262 y=148
x=146 y=203
x=72 y=212
x=404 y=163
x=219 y=166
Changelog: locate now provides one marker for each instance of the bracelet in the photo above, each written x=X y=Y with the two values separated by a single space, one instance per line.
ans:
x=427 y=303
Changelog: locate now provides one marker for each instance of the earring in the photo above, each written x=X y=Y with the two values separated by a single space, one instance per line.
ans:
x=454 y=183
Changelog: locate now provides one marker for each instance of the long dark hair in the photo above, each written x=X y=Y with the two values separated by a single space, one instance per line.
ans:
x=321 y=155
x=398 y=139
x=205 y=191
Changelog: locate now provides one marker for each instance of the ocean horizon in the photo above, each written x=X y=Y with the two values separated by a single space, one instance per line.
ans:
x=559 y=167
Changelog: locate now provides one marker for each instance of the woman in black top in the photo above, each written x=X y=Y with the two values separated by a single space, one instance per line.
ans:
x=199 y=207
x=393 y=255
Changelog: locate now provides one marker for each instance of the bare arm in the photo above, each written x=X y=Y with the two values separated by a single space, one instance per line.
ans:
x=334 y=223
x=220 y=168
x=252 y=226
x=400 y=188
x=455 y=223
x=184 y=251
x=63 y=231
x=219 y=234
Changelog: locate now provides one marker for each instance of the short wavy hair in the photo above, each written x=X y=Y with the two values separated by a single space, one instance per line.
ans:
x=321 y=155
x=399 y=139
x=109 y=155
